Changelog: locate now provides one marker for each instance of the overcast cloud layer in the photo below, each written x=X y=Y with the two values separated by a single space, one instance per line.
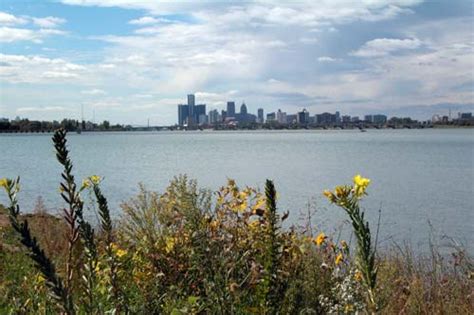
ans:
x=129 y=61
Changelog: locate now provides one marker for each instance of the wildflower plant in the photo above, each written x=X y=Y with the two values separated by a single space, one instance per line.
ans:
x=348 y=197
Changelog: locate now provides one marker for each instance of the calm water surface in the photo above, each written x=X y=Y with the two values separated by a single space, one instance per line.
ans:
x=418 y=176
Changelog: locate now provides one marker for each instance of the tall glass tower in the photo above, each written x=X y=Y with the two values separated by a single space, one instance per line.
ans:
x=230 y=109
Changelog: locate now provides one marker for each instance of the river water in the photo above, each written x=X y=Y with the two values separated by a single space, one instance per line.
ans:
x=422 y=180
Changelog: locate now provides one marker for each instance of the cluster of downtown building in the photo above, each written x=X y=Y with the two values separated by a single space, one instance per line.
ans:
x=194 y=115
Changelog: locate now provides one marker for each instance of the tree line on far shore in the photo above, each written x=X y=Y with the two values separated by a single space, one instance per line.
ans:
x=26 y=125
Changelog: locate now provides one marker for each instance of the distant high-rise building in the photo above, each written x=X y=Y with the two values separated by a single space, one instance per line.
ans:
x=192 y=116
x=346 y=119
x=291 y=119
x=191 y=100
x=338 y=117
x=271 y=117
x=243 y=109
x=202 y=119
x=326 y=119
x=230 y=109
x=260 y=116
x=355 y=119
x=281 y=117
x=379 y=119
x=199 y=110
x=302 y=117
x=183 y=114
x=369 y=118
x=214 y=117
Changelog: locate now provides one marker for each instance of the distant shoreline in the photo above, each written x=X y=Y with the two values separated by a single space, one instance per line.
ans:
x=167 y=129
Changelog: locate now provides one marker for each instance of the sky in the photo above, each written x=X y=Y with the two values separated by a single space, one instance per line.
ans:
x=128 y=61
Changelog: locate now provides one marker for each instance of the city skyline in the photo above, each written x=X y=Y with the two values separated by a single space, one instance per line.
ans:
x=191 y=115
x=131 y=61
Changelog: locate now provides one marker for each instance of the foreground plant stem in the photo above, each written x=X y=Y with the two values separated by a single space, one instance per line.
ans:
x=365 y=253
x=116 y=295
x=69 y=194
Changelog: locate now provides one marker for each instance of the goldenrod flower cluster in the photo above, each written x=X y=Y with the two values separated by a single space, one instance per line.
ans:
x=341 y=194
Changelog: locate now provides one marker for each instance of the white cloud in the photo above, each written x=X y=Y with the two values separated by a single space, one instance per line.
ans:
x=143 y=95
x=384 y=46
x=272 y=81
x=106 y=103
x=47 y=32
x=49 y=21
x=144 y=20
x=94 y=92
x=107 y=66
x=41 y=109
x=229 y=52
x=10 y=34
x=37 y=69
x=308 y=40
x=58 y=75
x=327 y=59
x=9 y=19
x=264 y=12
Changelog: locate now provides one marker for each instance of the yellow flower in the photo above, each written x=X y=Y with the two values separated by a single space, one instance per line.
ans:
x=260 y=203
x=358 y=275
x=40 y=279
x=242 y=206
x=341 y=192
x=121 y=252
x=220 y=200
x=170 y=242
x=95 y=179
x=338 y=259
x=86 y=183
x=254 y=225
x=360 y=185
x=214 y=225
x=244 y=194
x=329 y=195
x=349 y=308
x=320 y=239
x=4 y=183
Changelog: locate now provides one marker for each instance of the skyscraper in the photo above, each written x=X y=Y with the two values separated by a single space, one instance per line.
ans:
x=230 y=109
x=199 y=110
x=191 y=103
x=243 y=109
x=183 y=113
x=213 y=116
x=260 y=116
x=302 y=117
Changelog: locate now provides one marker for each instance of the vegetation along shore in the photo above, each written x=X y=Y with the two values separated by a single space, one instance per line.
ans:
x=192 y=251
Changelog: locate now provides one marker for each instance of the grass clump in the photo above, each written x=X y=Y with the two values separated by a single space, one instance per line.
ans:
x=193 y=251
